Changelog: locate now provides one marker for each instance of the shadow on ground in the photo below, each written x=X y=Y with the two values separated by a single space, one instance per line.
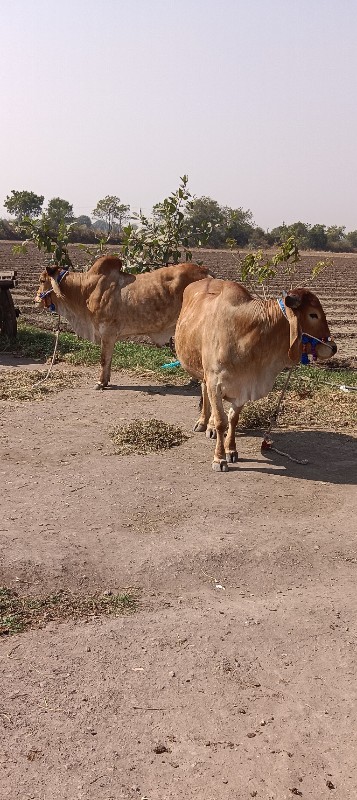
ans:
x=332 y=457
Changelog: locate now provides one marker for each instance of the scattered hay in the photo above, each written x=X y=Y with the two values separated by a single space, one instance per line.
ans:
x=146 y=436
x=19 y=384
x=307 y=407
x=18 y=613
x=258 y=414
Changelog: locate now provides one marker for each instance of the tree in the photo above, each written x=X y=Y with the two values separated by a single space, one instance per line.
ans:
x=58 y=213
x=84 y=220
x=166 y=237
x=234 y=224
x=111 y=210
x=300 y=232
x=317 y=238
x=336 y=238
x=352 y=239
x=238 y=225
x=258 y=237
x=204 y=211
x=24 y=204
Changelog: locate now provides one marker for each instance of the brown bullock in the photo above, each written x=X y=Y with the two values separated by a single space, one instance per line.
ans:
x=106 y=304
x=237 y=344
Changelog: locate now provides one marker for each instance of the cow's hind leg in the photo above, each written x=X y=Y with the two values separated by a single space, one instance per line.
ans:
x=107 y=347
x=219 y=463
x=230 y=443
x=202 y=421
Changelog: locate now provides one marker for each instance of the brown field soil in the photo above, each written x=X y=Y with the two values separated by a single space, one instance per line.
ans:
x=235 y=677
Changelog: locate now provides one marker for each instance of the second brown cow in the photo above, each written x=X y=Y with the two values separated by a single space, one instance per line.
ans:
x=106 y=304
x=236 y=344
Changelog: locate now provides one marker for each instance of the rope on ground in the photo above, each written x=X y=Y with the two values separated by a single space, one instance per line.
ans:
x=38 y=383
x=267 y=443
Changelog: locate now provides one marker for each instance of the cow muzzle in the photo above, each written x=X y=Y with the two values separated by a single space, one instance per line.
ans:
x=321 y=349
x=44 y=299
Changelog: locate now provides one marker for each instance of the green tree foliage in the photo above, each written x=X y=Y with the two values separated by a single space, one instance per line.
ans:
x=24 y=204
x=257 y=271
x=8 y=231
x=317 y=238
x=352 y=240
x=84 y=220
x=238 y=225
x=226 y=223
x=204 y=211
x=336 y=238
x=167 y=236
x=299 y=230
x=111 y=211
x=58 y=213
x=41 y=233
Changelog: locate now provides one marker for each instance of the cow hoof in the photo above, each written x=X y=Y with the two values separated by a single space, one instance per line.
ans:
x=99 y=387
x=220 y=466
x=232 y=456
x=199 y=427
x=211 y=433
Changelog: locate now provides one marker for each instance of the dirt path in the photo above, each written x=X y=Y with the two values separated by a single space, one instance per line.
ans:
x=249 y=687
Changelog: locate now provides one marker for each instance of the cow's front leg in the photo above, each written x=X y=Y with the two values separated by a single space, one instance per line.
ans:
x=230 y=443
x=219 y=463
x=106 y=354
x=202 y=421
x=211 y=432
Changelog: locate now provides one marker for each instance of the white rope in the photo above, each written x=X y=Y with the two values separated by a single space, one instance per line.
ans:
x=53 y=357
x=267 y=443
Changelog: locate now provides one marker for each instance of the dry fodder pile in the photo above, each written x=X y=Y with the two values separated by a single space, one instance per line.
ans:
x=19 y=385
x=146 y=436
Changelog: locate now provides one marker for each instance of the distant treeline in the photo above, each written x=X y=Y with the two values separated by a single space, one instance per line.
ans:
x=224 y=226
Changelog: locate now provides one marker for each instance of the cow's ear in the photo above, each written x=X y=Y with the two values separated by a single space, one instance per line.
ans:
x=292 y=300
x=295 y=348
x=51 y=271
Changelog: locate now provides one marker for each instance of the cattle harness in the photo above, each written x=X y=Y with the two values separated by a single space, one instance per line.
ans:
x=306 y=338
x=62 y=274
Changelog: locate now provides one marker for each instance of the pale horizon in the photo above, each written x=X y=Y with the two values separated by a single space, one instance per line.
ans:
x=255 y=101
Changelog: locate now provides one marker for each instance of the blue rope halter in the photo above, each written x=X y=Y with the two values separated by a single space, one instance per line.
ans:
x=62 y=274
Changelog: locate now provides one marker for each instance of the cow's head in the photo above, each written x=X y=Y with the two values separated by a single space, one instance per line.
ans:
x=306 y=316
x=45 y=294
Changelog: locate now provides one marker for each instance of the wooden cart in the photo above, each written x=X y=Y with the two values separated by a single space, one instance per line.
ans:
x=8 y=312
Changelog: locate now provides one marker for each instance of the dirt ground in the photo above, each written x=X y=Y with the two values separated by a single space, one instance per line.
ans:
x=236 y=676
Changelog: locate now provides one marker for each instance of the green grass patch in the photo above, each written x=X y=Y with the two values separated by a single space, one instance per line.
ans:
x=38 y=344
x=312 y=398
x=19 y=613
x=34 y=343
x=316 y=378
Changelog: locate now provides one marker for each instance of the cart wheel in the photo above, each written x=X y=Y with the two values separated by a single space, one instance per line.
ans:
x=8 y=322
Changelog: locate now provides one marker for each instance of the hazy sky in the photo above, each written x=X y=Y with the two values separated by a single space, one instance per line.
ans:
x=254 y=99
